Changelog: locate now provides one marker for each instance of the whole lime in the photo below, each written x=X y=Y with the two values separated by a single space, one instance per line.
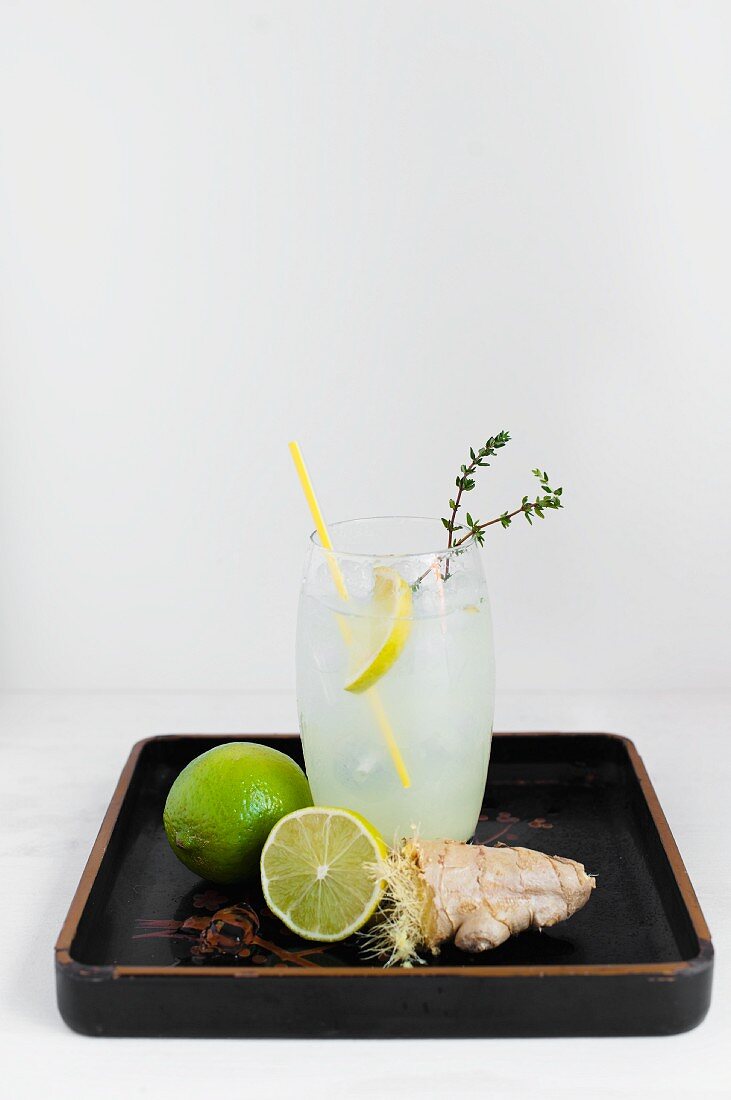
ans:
x=223 y=805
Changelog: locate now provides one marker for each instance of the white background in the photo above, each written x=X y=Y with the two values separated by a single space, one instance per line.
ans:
x=390 y=230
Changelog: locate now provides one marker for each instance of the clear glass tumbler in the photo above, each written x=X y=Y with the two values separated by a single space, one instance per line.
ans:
x=396 y=676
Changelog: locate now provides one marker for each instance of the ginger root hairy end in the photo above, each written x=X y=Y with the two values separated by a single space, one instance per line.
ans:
x=442 y=890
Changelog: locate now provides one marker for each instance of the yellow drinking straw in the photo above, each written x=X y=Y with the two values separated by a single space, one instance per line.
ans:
x=337 y=576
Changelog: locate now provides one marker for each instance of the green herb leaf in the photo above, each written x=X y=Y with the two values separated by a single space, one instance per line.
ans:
x=465 y=483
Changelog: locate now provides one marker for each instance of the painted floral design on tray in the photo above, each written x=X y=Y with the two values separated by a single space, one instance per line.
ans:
x=232 y=932
x=210 y=899
x=505 y=827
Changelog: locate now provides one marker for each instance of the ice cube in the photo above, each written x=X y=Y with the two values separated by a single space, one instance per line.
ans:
x=358 y=577
x=358 y=764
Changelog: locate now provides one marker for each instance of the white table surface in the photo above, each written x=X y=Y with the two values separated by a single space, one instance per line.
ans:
x=61 y=756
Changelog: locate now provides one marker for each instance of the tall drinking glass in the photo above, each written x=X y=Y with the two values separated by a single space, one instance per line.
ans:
x=395 y=640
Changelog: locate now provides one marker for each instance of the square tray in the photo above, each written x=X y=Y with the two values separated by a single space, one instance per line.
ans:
x=140 y=954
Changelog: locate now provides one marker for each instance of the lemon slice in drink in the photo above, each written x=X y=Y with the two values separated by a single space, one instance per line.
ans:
x=391 y=625
x=316 y=872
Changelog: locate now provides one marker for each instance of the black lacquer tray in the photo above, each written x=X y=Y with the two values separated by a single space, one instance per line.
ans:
x=148 y=950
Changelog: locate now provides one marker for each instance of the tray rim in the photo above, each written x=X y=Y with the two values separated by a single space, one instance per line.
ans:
x=654 y=971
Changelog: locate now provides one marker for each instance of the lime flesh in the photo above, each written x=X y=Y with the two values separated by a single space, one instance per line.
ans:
x=317 y=872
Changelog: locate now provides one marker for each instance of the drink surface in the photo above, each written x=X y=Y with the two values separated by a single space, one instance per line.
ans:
x=438 y=695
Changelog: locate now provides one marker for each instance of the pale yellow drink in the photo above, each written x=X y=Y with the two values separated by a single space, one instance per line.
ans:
x=438 y=693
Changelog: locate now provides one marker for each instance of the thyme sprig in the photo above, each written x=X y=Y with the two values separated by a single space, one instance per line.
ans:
x=546 y=500
x=465 y=483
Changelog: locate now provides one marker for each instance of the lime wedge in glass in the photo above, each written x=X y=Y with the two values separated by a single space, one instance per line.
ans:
x=390 y=625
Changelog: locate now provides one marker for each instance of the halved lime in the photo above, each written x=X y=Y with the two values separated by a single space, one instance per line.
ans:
x=391 y=624
x=317 y=872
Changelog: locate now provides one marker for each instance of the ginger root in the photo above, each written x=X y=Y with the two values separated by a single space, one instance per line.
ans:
x=441 y=890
